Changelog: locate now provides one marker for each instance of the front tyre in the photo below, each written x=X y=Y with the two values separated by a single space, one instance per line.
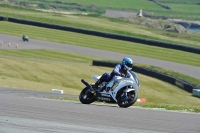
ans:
x=86 y=96
x=128 y=100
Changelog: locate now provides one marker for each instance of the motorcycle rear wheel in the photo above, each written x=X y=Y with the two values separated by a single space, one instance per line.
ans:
x=87 y=97
x=25 y=39
x=130 y=101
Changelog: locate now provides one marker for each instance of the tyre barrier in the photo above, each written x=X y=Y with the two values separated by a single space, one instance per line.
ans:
x=2 y=18
x=109 y=35
x=148 y=72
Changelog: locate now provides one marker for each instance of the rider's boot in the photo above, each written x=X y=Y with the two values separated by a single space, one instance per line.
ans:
x=96 y=85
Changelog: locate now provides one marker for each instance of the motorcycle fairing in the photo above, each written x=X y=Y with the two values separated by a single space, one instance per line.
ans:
x=121 y=83
x=96 y=77
x=103 y=96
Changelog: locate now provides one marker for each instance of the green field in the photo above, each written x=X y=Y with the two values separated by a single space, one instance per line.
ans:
x=44 y=70
x=142 y=4
x=182 y=9
x=101 y=43
x=96 y=42
x=102 y=24
x=180 y=1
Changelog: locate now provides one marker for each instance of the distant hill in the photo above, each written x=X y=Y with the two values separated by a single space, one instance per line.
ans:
x=182 y=12
x=173 y=9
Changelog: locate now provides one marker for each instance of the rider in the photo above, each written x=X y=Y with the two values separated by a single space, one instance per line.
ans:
x=119 y=70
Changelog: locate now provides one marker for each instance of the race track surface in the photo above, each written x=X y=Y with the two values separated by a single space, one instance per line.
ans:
x=24 y=111
x=29 y=112
x=192 y=71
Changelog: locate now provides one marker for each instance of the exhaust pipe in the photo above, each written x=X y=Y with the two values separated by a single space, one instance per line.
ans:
x=86 y=84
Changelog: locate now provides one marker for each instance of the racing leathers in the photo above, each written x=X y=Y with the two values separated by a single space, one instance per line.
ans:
x=119 y=70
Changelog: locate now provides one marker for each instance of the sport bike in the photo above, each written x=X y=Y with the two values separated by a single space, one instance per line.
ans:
x=25 y=38
x=120 y=90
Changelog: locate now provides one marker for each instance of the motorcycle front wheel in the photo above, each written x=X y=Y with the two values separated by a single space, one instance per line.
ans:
x=128 y=100
x=86 y=96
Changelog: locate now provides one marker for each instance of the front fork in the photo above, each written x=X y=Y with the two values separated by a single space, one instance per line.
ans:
x=125 y=96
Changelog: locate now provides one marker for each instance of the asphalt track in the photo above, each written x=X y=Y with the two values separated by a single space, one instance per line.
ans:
x=32 y=112
x=23 y=111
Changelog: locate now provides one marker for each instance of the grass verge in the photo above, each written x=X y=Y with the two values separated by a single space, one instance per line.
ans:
x=100 y=43
x=100 y=24
x=183 y=77
x=49 y=71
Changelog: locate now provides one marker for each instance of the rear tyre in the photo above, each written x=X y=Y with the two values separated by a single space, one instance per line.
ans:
x=127 y=101
x=86 y=96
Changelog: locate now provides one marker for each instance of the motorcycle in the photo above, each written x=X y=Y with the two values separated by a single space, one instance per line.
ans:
x=120 y=90
x=25 y=38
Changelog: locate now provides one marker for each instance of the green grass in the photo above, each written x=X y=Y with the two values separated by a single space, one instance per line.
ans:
x=101 y=24
x=180 y=1
x=183 y=77
x=118 y=4
x=175 y=9
x=49 y=70
x=142 y=4
x=59 y=56
x=44 y=69
x=19 y=69
x=183 y=8
x=100 y=43
x=188 y=79
x=45 y=55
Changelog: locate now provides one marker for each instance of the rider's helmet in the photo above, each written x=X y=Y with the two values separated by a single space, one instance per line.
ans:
x=127 y=63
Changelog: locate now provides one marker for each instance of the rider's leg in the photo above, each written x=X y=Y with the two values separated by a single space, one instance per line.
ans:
x=103 y=78
x=98 y=83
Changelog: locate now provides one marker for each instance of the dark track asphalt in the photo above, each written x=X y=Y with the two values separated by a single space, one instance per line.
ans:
x=22 y=111
x=192 y=71
x=31 y=111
